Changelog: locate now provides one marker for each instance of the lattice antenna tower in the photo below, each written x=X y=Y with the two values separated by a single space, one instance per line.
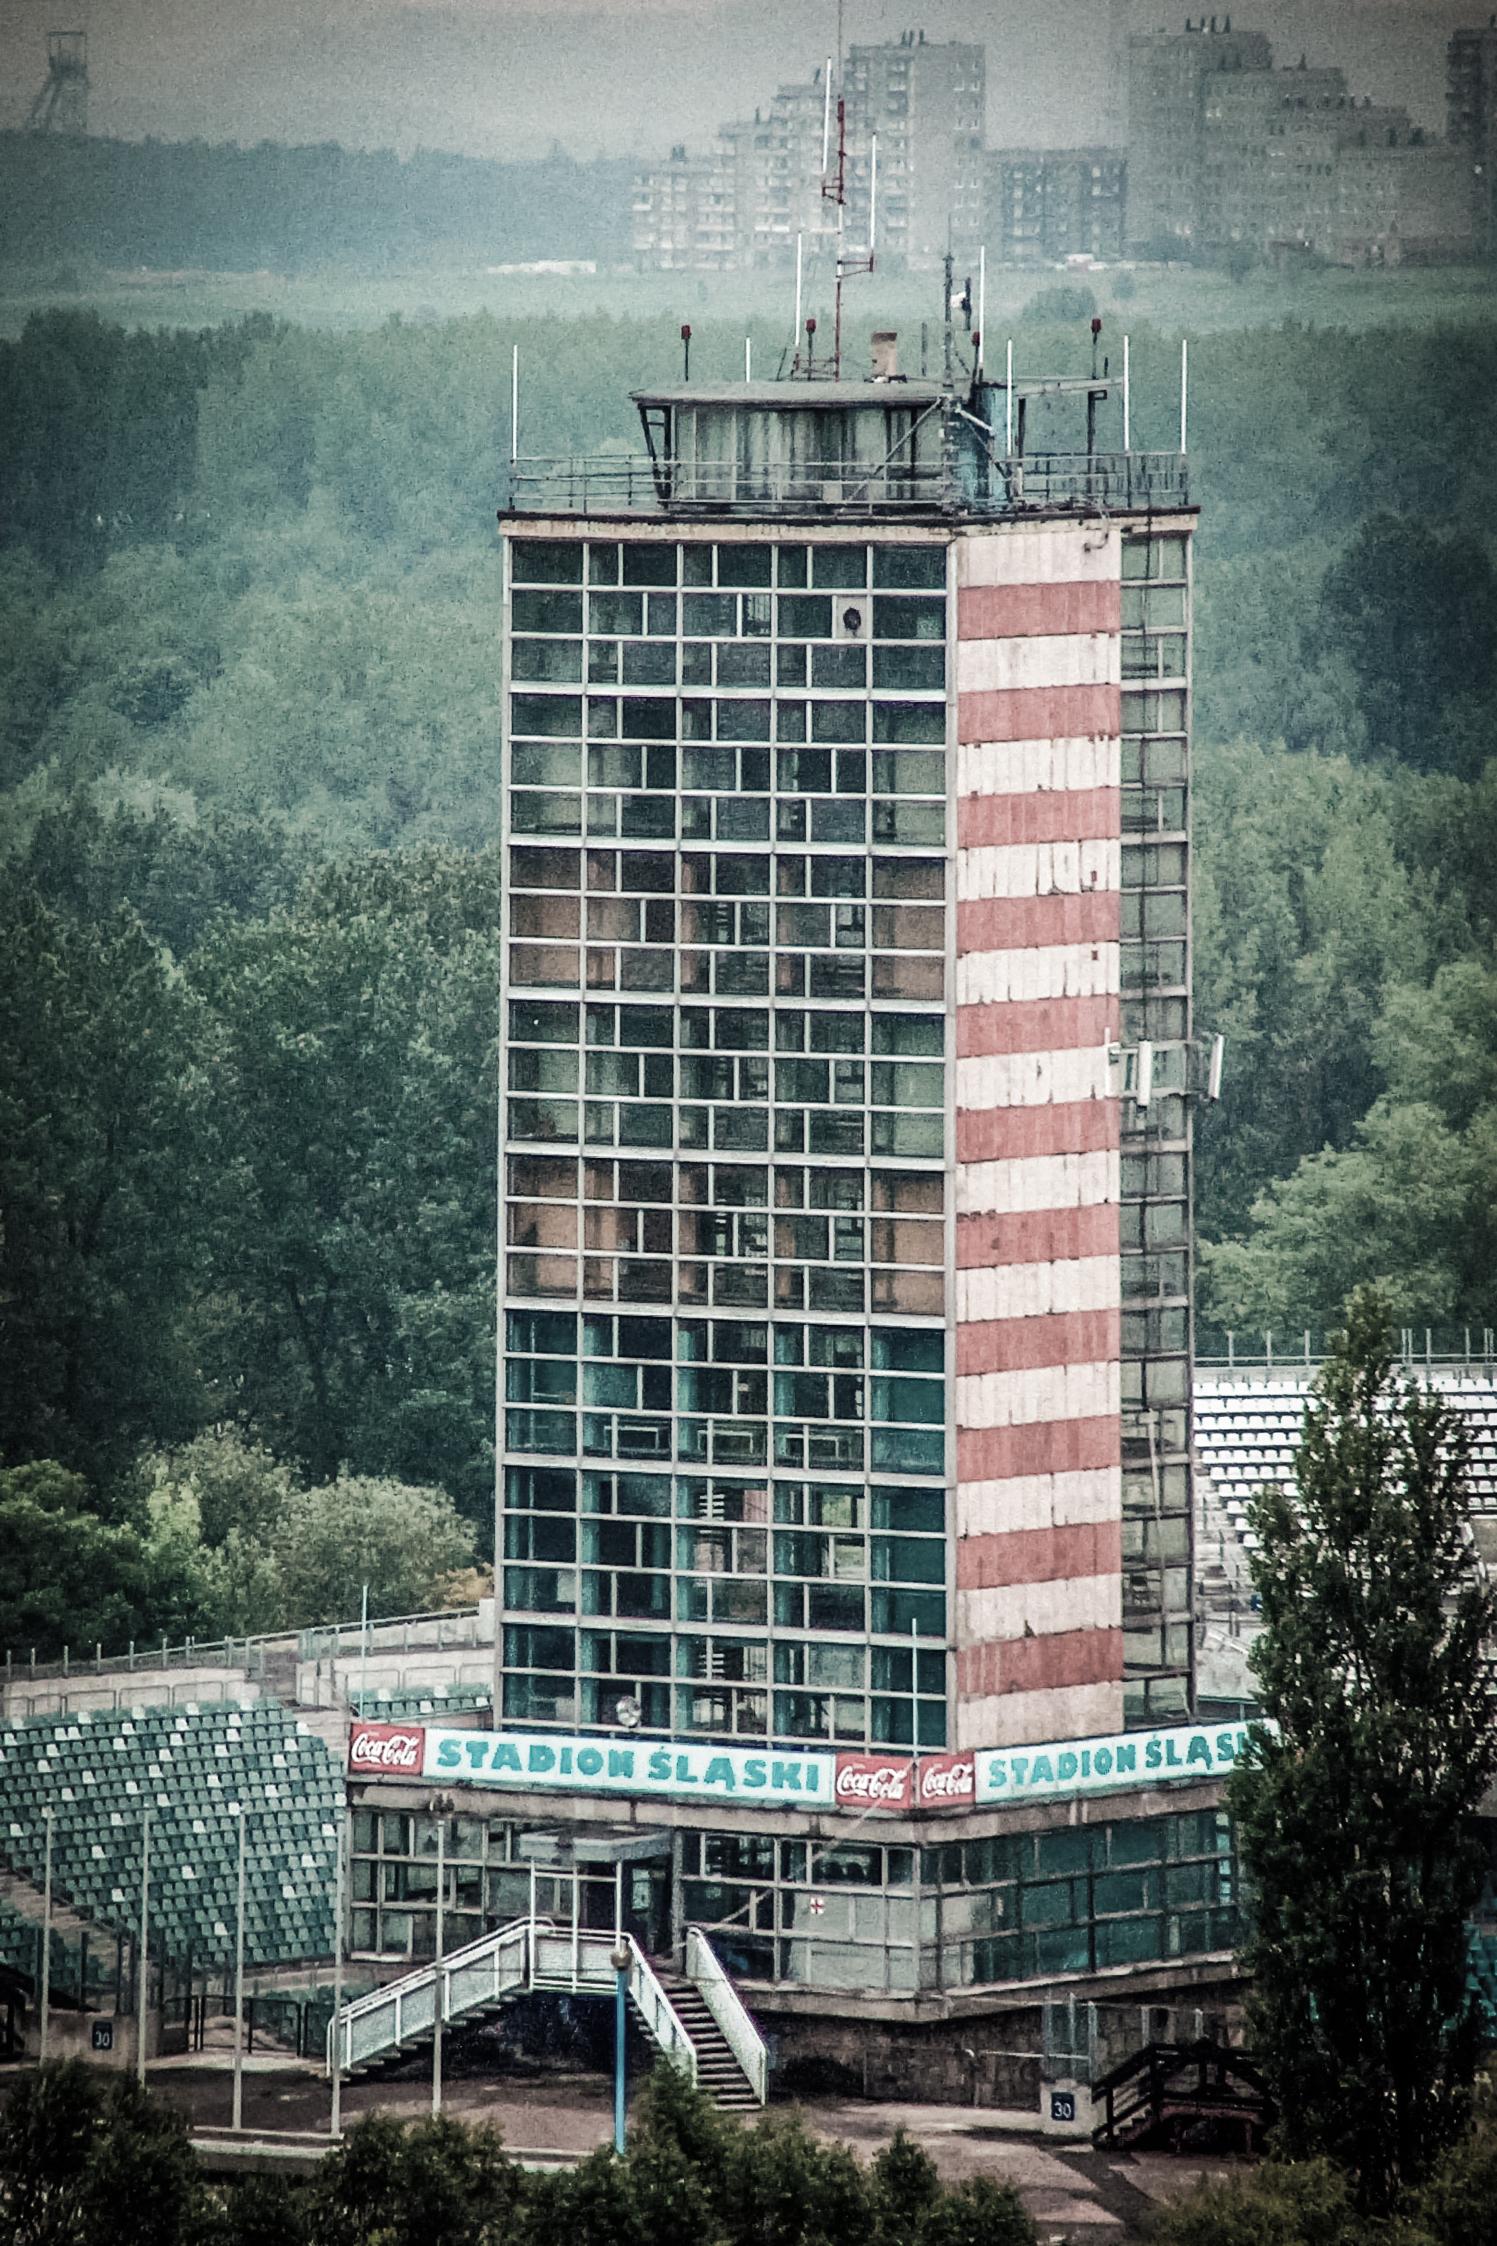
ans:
x=834 y=191
x=61 y=104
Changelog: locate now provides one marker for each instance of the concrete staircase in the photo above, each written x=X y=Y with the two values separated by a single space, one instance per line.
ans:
x=25 y=1900
x=696 y=2019
x=718 y=2071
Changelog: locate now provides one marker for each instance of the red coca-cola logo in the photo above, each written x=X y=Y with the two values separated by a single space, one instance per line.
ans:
x=874 y=1782
x=946 y=1781
x=386 y=1747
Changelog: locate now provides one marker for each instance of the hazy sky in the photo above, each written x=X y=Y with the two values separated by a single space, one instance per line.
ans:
x=497 y=77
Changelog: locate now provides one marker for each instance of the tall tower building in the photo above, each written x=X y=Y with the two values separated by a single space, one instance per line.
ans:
x=1171 y=79
x=845 y=1286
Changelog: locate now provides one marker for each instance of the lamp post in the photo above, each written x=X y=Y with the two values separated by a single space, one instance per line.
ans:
x=621 y=1958
x=335 y=2119
x=237 y=2121
x=143 y=1951
x=48 y=1815
x=438 y=1992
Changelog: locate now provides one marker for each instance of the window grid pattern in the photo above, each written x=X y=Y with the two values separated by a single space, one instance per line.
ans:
x=725 y=1062
x=1156 y=1212
x=881 y=1917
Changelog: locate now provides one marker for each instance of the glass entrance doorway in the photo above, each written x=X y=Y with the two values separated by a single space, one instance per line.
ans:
x=610 y=1886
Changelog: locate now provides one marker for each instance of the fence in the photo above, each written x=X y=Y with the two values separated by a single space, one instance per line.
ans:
x=256 y=1658
x=1473 y=1348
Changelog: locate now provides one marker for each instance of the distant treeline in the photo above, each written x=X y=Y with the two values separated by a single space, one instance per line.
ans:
x=250 y=766
x=169 y=204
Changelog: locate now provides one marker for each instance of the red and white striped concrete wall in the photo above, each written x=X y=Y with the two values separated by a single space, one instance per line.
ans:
x=1039 y=1485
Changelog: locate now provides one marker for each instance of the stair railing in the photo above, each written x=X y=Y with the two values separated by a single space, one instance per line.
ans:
x=383 y=2018
x=705 y=1970
x=527 y=1953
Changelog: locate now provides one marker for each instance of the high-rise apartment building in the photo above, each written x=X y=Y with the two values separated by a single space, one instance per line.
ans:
x=1226 y=151
x=1471 y=121
x=925 y=102
x=1045 y=205
x=1171 y=76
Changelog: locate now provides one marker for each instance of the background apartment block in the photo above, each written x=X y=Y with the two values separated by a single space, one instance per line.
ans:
x=923 y=101
x=925 y=104
x=1471 y=122
x=1045 y=205
x=1225 y=151
x=1171 y=76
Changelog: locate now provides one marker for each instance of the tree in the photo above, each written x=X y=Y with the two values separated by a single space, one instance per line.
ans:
x=352 y=1112
x=402 y=1542
x=1411 y=608
x=69 y=1578
x=906 y=2187
x=438 y=2182
x=1283 y=2203
x=234 y=1483
x=100 y=1186
x=1356 y=1816
x=787 y=2189
x=82 y=2158
x=977 y=2212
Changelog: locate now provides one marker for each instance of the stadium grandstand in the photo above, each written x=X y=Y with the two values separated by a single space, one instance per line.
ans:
x=183 y=1739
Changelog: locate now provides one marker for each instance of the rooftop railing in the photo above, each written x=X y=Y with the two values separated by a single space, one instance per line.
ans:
x=1042 y=483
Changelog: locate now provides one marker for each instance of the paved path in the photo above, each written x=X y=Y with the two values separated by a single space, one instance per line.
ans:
x=1072 y=2191
x=1075 y=2194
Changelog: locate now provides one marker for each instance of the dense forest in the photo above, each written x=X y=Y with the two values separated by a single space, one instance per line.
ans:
x=249 y=763
x=75 y=204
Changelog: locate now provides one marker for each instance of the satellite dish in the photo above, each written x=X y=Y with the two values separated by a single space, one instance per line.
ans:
x=628 y=1714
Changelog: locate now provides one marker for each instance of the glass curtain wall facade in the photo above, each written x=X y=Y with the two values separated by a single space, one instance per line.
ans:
x=1005 y=1907
x=729 y=1168
x=725 y=1138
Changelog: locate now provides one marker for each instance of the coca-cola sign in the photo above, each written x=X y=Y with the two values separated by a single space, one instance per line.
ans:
x=875 y=1782
x=387 y=1750
x=947 y=1781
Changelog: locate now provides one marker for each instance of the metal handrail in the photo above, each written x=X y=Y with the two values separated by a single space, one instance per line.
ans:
x=412 y=2005
x=715 y=1987
x=632 y=482
x=444 y=1624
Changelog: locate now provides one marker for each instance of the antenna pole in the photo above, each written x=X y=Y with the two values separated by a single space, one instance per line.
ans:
x=800 y=243
x=1008 y=402
x=748 y=358
x=841 y=200
x=982 y=303
x=948 y=361
x=514 y=404
x=1127 y=403
x=872 y=198
x=1184 y=390
x=826 y=122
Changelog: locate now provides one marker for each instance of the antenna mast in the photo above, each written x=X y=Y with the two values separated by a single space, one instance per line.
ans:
x=834 y=190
